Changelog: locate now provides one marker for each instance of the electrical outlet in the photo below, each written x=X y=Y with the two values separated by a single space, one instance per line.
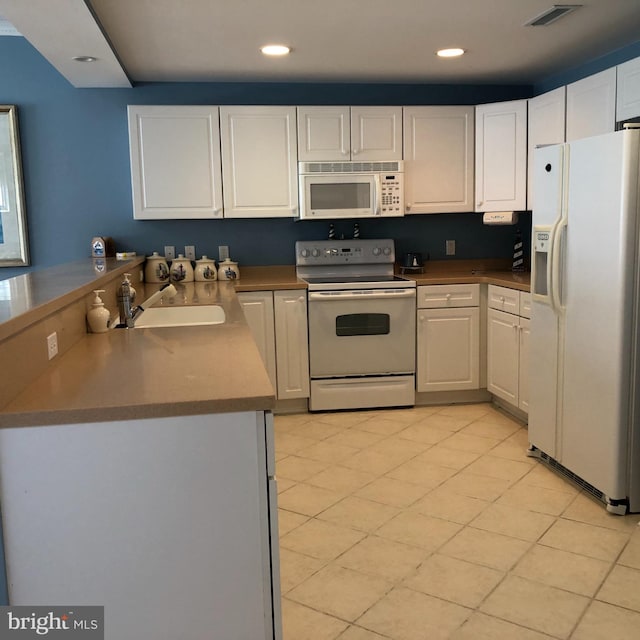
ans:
x=190 y=252
x=223 y=252
x=450 y=247
x=169 y=252
x=52 y=345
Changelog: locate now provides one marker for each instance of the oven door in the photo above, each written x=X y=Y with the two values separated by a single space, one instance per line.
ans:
x=339 y=196
x=362 y=332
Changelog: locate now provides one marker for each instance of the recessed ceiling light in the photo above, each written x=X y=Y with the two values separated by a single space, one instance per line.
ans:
x=84 y=58
x=449 y=53
x=275 y=50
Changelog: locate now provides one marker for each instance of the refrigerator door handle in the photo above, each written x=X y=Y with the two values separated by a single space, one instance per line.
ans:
x=551 y=265
x=556 y=302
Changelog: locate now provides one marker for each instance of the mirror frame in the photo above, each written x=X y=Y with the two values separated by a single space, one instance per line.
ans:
x=14 y=249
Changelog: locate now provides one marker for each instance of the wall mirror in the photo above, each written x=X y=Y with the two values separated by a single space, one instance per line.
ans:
x=14 y=246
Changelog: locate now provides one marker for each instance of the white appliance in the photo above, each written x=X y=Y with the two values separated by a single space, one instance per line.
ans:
x=585 y=329
x=362 y=325
x=351 y=189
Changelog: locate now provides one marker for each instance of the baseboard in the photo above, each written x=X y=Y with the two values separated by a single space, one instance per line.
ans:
x=296 y=405
x=452 y=397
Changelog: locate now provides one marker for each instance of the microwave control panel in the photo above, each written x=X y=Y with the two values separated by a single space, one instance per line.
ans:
x=391 y=187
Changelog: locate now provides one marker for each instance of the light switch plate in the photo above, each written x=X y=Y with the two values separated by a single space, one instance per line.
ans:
x=169 y=252
x=451 y=247
x=223 y=252
x=190 y=252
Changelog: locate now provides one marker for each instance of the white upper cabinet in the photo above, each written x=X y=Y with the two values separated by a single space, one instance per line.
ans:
x=259 y=164
x=340 y=134
x=591 y=105
x=546 y=121
x=439 y=160
x=175 y=162
x=628 y=90
x=501 y=156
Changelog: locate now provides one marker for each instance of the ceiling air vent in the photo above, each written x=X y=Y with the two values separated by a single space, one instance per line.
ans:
x=551 y=15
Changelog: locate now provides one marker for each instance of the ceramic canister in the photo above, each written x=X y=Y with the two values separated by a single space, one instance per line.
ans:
x=156 y=269
x=205 y=270
x=228 y=270
x=181 y=270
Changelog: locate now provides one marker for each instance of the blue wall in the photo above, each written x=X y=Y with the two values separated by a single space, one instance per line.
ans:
x=594 y=66
x=75 y=153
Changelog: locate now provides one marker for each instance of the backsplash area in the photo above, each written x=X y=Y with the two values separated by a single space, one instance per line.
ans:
x=272 y=241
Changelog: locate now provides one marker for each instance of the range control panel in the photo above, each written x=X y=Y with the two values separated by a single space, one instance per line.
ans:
x=353 y=251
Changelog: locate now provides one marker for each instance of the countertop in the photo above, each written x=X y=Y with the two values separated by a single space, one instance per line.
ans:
x=145 y=373
x=128 y=374
x=434 y=272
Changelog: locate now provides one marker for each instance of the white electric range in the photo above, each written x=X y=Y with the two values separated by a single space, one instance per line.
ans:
x=362 y=324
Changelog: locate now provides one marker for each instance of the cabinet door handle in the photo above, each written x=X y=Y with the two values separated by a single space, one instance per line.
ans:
x=448 y=296
x=356 y=151
x=408 y=206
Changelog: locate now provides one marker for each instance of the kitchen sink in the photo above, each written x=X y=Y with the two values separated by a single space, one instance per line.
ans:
x=187 y=316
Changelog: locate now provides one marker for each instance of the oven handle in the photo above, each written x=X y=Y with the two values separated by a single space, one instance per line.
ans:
x=378 y=195
x=364 y=294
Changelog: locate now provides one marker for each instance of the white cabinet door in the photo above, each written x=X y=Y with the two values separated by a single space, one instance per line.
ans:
x=376 y=133
x=324 y=134
x=591 y=105
x=439 y=159
x=259 y=164
x=523 y=370
x=502 y=355
x=546 y=123
x=175 y=162
x=340 y=134
x=258 y=312
x=501 y=156
x=292 y=344
x=448 y=351
x=628 y=90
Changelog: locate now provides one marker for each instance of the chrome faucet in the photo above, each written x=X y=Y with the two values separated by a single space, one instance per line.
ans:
x=128 y=312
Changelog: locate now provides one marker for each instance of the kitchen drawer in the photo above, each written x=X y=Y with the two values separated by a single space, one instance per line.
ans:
x=525 y=304
x=504 y=299
x=441 y=296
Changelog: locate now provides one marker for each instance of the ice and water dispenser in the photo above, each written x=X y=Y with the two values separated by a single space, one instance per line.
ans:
x=542 y=260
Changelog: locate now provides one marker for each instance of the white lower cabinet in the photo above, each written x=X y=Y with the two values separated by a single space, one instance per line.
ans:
x=508 y=346
x=448 y=338
x=258 y=311
x=292 y=344
x=278 y=322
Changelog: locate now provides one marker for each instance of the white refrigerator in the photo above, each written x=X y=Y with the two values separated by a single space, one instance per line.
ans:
x=585 y=330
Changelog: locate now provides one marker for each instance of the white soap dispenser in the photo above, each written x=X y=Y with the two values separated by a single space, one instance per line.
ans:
x=98 y=316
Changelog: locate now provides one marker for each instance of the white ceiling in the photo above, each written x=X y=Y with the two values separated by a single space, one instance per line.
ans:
x=331 y=40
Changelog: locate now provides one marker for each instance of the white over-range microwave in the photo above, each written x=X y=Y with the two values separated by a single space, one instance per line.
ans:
x=351 y=189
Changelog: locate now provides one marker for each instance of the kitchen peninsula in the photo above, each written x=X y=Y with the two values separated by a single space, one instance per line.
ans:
x=137 y=469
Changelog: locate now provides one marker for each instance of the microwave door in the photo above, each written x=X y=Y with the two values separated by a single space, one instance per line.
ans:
x=334 y=196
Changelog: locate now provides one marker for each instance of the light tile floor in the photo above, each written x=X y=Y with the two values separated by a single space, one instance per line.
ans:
x=432 y=523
